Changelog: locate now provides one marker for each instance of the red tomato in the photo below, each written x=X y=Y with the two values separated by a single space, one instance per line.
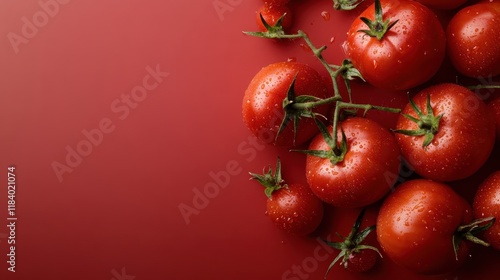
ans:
x=443 y=4
x=472 y=36
x=357 y=244
x=292 y=208
x=450 y=137
x=271 y=14
x=408 y=54
x=417 y=223
x=368 y=170
x=487 y=204
x=295 y=209
x=263 y=110
x=494 y=105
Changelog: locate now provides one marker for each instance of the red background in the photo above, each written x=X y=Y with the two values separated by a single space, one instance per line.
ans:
x=115 y=211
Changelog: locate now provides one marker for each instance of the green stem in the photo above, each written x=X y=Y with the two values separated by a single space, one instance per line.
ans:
x=482 y=87
x=318 y=54
x=365 y=107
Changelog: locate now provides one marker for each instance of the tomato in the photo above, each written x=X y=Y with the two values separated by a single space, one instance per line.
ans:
x=271 y=13
x=358 y=175
x=494 y=105
x=399 y=56
x=358 y=249
x=448 y=135
x=293 y=208
x=443 y=4
x=487 y=204
x=417 y=224
x=263 y=111
x=472 y=40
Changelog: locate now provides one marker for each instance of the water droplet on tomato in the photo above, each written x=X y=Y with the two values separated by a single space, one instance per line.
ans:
x=332 y=39
x=292 y=59
x=325 y=15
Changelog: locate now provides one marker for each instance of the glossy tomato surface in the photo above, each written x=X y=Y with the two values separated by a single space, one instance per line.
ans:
x=416 y=225
x=123 y=120
x=407 y=54
x=368 y=170
x=456 y=122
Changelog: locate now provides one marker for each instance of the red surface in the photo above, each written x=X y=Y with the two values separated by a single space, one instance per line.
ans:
x=72 y=84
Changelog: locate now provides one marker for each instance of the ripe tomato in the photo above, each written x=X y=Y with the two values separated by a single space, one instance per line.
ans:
x=487 y=204
x=399 y=56
x=449 y=134
x=271 y=13
x=295 y=209
x=366 y=170
x=494 y=105
x=263 y=110
x=417 y=223
x=292 y=208
x=472 y=40
x=358 y=250
x=443 y=4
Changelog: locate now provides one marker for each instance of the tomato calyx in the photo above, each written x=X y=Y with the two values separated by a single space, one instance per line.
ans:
x=296 y=107
x=275 y=31
x=346 y=5
x=377 y=27
x=428 y=124
x=470 y=231
x=352 y=244
x=271 y=182
x=336 y=152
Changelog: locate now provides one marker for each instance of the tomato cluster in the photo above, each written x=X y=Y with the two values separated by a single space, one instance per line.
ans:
x=445 y=134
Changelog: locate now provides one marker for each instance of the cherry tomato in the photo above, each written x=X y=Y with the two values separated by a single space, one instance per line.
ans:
x=401 y=49
x=487 y=204
x=292 y=207
x=263 y=111
x=357 y=243
x=494 y=105
x=363 y=169
x=446 y=133
x=443 y=4
x=358 y=249
x=271 y=13
x=472 y=37
x=417 y=223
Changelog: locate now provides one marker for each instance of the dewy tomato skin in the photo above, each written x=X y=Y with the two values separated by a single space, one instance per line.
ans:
x=487 y=204
x=472 y=40
x=409 y=54
x=263 y=102
x=368 y=171
x=464 y=139
x=416 y=224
